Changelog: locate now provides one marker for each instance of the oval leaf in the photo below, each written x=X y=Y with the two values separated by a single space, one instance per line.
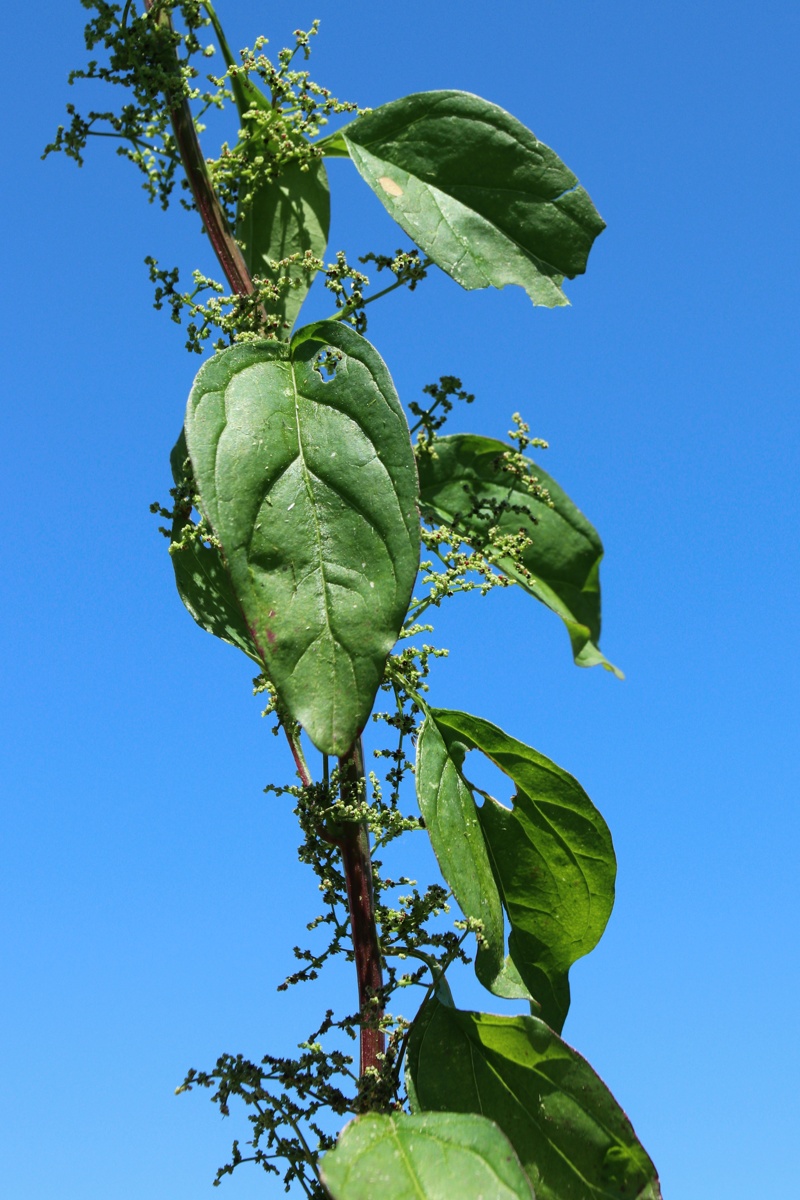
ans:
x=438 y=1156
x=572 y=1137
x=552 y=857
x=562 y=565
x=287 y=217
x=305 y=472
x=477 y=191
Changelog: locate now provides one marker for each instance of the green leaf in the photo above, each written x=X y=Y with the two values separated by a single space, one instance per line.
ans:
x=563 y=560
x=333 y=146
x=477 y=191
x=451 y=819
x=201 y=577
x=205 y=588
x=289 y=216
x=551 y=854
x=572 y=1137
x=438 y=1156
x=305 y=472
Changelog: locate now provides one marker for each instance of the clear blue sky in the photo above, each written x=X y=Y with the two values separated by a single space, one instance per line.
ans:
x=149 y=897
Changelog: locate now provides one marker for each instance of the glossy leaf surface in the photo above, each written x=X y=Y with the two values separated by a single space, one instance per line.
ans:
x=551 y=854
x=288 y=216
x=305 y=472
x=202 y=579
x=572 y=1137
x=451 y=819
x=436 y=1156
x=477 y=191
x=563 y=560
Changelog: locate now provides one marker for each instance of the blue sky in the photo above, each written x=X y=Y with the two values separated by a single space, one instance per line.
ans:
x=149 y=897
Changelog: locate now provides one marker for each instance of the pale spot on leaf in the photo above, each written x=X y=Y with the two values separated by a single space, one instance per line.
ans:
x=389 y=186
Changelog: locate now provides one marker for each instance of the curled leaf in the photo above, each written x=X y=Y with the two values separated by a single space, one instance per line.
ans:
x=465 y=485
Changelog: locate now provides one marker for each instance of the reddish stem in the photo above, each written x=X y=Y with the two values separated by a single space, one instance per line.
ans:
x=357 y=864
x=297 y=754
x=227 y=251
x=354 y=842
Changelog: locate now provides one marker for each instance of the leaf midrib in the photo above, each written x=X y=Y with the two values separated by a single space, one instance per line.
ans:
x=411 y=1172
x=318 y=537
x=546 y=270
x=536 y=198
x=519 y=1101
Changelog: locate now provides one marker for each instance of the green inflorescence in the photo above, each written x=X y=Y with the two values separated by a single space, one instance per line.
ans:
x=155 y=53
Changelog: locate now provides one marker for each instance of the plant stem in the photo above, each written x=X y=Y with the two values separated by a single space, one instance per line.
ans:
x=357 y=864
x=295 y=745
x=224 y=244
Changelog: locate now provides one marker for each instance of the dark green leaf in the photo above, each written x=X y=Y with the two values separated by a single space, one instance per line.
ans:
x=436 y=1156
x=552 y=857
x=305 y=472
x=288 y=216
x=205 y=588
x=477 y=191
x=572 y=1137
x=563 y=561
x=201 y=577
x=451 y=818
x=333 y=146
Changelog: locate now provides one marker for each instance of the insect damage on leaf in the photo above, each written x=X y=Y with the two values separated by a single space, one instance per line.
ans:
x=297 y=460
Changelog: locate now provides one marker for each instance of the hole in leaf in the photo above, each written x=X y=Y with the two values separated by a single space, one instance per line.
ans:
x=485 y=777
x=326 y=363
